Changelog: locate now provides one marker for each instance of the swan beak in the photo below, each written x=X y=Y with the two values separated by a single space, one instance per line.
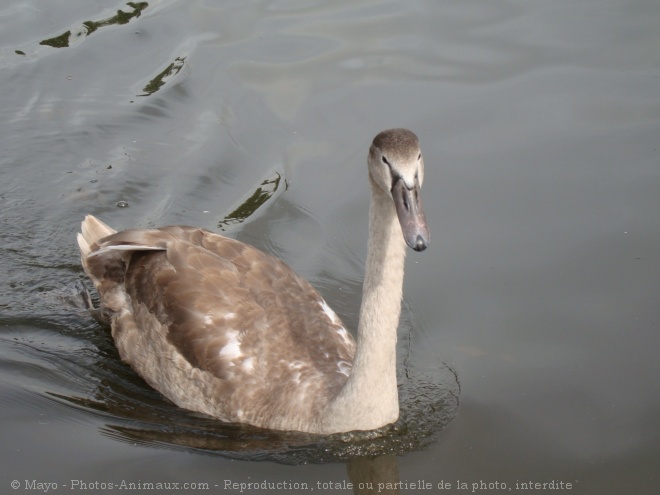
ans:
x=408 y=204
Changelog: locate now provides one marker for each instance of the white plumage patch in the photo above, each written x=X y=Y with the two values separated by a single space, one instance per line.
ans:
x=344 y=367
x=328 y=311
x=335 y=319
x=248 y=365
x=232 y=349
x=344 y=335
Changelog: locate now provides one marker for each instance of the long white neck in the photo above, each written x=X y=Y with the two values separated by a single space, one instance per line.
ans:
x=369 y=399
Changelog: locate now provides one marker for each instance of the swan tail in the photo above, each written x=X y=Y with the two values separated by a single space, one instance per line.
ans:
x=92 y=230
x=106 y=271
x=105 y=255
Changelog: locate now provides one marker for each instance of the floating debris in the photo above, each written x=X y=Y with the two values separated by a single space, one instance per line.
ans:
x=123 y=204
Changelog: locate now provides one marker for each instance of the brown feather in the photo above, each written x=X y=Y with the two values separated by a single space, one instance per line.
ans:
x=226 y=310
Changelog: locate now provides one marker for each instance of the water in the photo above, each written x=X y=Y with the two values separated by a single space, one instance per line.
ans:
x=539 y=123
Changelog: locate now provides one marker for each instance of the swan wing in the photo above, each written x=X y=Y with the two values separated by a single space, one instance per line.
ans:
x=195 y=309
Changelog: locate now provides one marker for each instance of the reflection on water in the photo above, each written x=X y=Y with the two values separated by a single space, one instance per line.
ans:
x=370 y=475
x=61 y=41
x=248 y=207
x=136 y=414
x=65 y=40
x=159 y=81
x=121 y=17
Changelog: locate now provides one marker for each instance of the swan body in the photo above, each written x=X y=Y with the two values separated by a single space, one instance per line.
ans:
x=219 y=327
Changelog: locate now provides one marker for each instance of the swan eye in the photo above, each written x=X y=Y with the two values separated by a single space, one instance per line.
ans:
x=419 y=157
x=385 y=161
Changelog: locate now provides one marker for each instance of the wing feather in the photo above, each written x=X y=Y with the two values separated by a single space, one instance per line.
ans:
x=232 y=313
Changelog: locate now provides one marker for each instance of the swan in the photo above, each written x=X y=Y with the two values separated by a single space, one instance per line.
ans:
x=219 y=327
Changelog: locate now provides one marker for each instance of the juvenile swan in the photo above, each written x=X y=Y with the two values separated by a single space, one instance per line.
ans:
x=219 y=327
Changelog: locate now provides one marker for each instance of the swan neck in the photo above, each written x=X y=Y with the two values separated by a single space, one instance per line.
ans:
x=383 y=278
x=369 y=398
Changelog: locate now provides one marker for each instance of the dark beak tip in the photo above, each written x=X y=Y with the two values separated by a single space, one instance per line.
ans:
x=420 y=244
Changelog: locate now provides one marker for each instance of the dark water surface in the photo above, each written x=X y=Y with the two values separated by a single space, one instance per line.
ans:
x=531 y=327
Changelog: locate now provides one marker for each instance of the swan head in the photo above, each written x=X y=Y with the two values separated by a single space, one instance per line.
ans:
x=396 y=165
